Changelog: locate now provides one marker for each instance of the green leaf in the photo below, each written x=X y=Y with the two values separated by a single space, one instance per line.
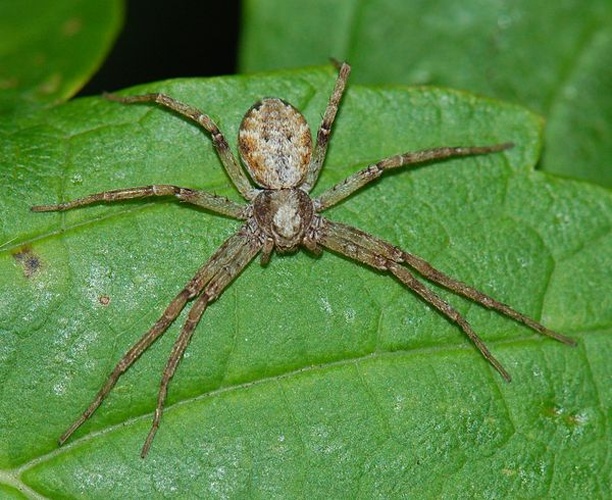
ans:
x=555 y=59
x=313 y=376
x=48 y=50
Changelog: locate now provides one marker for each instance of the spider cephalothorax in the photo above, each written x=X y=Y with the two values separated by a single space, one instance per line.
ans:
x=278 y=152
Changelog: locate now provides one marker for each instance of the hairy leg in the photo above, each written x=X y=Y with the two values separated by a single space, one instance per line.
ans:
x=227 y=268
x=348 y=186
x=365 y=248
x=212 y=202
x=231 y=165
x=320 y=149
x=234 y=254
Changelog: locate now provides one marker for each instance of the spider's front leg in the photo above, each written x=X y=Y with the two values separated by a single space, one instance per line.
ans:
x=379 y=254
x=208 y=283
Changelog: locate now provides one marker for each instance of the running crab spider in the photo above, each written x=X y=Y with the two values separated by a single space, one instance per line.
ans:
x=277 y=151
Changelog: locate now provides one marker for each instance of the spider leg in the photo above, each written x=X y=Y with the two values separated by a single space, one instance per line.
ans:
x=128 y=359
x=195 y=314
x=212 y=202
x=460 y=288
x=228 y=265
x=356 y=181
x=231 y=165
x=242 y=244
x=320 y=149
x=365 y=248
x=408 y=279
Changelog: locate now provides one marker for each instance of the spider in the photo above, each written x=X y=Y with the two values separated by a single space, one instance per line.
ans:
x=277 y=151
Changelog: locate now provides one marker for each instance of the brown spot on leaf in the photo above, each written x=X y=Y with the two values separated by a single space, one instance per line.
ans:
x=72 y=26
x=29 y=261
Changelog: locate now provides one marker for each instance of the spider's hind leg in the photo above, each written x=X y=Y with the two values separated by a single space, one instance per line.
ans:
x=324 y=132
x=230 y=163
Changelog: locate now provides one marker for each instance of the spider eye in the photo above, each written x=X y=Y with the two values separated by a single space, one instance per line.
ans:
x=275 y=144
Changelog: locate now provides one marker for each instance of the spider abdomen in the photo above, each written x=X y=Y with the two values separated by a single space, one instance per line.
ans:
x=275 y=144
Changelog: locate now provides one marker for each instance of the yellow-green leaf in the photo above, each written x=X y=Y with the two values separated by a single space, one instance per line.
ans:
x=48 y=50
x=313 y=376
x=554 y=58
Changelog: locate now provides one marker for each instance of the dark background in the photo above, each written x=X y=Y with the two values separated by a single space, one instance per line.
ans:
x=166 y=39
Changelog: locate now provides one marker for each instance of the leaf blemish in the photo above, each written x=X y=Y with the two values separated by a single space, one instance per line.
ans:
x=29 y=261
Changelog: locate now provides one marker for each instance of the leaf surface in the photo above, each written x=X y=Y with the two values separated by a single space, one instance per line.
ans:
x=313 y=375
x=554 y=58
x=48 y=50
